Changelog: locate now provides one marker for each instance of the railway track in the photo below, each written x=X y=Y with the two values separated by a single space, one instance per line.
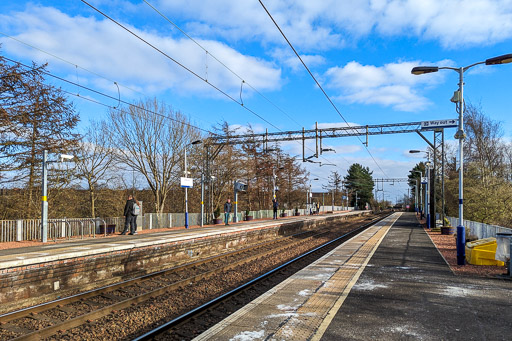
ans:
x=64 y=318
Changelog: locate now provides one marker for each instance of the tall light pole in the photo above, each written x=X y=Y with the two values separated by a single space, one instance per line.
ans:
x=310 y=196
x=430 y=198
x=186 y=187
x=44 y=199
x=274 y=176
x=421 y=189
x=460 y=135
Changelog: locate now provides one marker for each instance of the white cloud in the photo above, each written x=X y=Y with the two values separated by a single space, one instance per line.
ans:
x=286 y=57
x=244 y=129
x=105 y=48
x=389 y=85
x=321 y=25
x=335 y=125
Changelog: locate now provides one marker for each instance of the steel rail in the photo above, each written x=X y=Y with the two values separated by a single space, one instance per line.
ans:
x=196 y=311
x=103 y=311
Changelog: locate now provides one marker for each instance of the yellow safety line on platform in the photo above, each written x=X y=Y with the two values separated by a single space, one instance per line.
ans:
x=288 y=311
x=336 y=307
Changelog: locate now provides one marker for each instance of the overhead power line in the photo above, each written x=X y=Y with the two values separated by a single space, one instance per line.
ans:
x=221 y=63
x=117 y=83
x=179 y=64
x=119 y=100
x=182 y=65
x=316 y=81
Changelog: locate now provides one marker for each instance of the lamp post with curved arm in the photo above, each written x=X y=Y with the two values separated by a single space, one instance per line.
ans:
x=460 y=135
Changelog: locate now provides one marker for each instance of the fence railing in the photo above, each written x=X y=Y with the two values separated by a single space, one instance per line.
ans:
x=30 y=229
x=480 y=230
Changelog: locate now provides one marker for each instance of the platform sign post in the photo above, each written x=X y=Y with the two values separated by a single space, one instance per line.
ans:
x=238 y=186
x=186 y=183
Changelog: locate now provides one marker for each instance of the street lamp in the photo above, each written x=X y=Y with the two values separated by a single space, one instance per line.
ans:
x=430 y=198
x=460 y=135
x=274 y=176
x=187 y=185
x=310 y=196
x=422 y=208
x=44 y=196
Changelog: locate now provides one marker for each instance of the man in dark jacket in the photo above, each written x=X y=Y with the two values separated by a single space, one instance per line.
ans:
x=275 y=206
x=227 y=211
x=131 y=219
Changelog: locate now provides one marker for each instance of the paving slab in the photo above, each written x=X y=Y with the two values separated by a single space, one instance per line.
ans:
x=408 y=292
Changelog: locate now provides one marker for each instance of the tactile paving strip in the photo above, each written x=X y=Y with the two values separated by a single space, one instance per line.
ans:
x=297 y=308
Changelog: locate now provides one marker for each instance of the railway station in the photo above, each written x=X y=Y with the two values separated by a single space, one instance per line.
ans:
x=255 y=170
x=381 y=278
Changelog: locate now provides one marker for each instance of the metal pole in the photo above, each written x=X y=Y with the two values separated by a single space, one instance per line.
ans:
x=333 y=200
x=433 y=188
x=186 y=193
x=44 y=199
x=427 y=196
x=416 y=196
x=273 y=183
x=442 y=176
x=235 y=217
x=202 y=200
x=461 y=231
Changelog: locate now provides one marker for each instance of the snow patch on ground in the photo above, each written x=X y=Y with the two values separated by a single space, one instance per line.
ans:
x=368 y=285
x=305 y=292
x=286 y=307
x=459 y=292
x=249 y=336
x=404 y=331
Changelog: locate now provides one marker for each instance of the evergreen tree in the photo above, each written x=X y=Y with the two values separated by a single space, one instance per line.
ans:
x=34 y=116
x=359 y=180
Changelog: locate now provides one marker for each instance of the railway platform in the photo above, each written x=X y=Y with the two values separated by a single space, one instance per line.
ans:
x=388 y=283
x=32 y=274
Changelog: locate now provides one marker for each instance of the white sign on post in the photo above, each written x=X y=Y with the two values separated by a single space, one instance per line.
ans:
x=187 y=182
x=424 y=179
x=428 y=125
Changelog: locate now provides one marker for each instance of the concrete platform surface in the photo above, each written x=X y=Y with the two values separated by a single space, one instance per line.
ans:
x=296 y=308
x=390 y=283
x=407 y=292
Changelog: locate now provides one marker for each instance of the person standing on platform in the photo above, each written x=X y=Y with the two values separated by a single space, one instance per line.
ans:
x=275 y=206
x=227 y=211
x=131 y=209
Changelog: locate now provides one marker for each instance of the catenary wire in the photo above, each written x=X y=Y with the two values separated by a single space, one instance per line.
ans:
x=220 y=62
x=109 y=96
x=317 y=83
x=181 y=65
x=84 y=69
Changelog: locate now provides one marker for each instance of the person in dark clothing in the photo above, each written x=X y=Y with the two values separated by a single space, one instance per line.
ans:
x=227 y=211
x=275 y=206
x=130 y=217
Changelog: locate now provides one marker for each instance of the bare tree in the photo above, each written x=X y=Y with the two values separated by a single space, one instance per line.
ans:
x=150 y=138
x=95 y=161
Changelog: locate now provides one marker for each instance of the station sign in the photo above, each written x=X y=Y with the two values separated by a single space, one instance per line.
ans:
x=238 y=186
x=187 y=182
x=424 y=180
x=430 y=125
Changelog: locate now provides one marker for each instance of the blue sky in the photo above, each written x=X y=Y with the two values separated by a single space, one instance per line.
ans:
x=360 y=51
